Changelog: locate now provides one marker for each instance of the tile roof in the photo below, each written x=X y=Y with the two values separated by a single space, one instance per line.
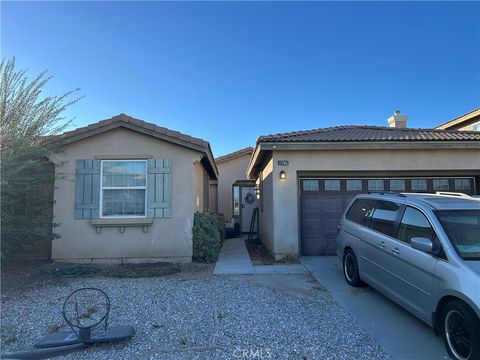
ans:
x=371 y=133
x=126 y=119
x=235 y=154
x=123 y=120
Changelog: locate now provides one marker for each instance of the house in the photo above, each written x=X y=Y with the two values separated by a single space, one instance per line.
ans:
x=234 y=201
x=127 y=190
x=468 y=121
x=306 y=178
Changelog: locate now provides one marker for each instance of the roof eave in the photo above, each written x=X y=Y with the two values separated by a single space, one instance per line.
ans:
x=234 y=155
x=370 y=145
x=466 y=117
x=206 y=150
x=253 y=163
x=252 y=169
x=64 y=141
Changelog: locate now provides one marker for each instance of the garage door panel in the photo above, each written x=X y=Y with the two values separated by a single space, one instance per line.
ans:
x=332 y=204
x=321 y=209
x=311 y=203
x=320 y=214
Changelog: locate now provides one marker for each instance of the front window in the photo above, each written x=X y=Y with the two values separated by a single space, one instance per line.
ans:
x=415 y=224
x=463 y=230
x=123 y=189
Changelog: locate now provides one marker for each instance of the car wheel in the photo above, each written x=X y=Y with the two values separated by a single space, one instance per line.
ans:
x=350 y=269
x=461 y=331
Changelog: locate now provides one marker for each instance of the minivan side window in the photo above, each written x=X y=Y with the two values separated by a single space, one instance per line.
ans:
x=383 y=217
x=361 y=211
x=415 y=224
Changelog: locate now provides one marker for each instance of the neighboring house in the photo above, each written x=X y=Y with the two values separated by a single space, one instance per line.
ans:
x=233 y=187
x=307 y=178
x=469 y=121
x=127 y=190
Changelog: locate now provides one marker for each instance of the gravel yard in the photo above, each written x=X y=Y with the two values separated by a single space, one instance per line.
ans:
x=199 y=317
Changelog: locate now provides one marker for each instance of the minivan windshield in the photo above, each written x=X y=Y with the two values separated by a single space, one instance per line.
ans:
x=463 y=230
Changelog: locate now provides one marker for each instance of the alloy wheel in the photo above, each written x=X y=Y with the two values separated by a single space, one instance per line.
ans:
x=457 y=335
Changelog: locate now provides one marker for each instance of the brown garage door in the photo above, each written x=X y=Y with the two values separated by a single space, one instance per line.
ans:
x=324 y=200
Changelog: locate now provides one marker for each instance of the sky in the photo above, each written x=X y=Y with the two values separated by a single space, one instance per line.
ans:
x=229 y=72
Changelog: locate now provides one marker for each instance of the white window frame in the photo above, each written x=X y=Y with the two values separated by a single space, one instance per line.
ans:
x=122 y=188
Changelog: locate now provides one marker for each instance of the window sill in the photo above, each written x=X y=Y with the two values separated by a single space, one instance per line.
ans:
x=122 y=223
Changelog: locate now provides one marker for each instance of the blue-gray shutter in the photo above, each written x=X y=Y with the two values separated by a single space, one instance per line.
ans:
x=87 y=189
x=159 y=188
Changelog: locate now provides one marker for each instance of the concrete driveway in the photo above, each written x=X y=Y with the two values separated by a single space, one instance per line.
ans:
x=401 y=334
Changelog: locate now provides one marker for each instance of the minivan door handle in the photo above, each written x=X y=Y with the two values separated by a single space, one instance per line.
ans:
x=382 y=244
x=396 y=251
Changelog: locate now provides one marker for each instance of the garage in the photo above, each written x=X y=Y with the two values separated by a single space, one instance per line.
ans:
x=306 y=178
x=323 y=200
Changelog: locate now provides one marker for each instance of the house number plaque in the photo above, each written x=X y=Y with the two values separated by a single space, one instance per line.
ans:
x=282 y=162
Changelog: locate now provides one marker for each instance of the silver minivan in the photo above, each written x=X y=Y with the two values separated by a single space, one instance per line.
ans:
x=423 y=252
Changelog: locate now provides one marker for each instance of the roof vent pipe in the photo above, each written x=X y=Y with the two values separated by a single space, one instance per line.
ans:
x=398 y=120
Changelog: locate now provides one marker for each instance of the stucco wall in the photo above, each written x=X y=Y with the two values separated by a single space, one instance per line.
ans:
x=467 y=127
x=285 y=211
x=213 y=200
x=266 y=206
x=198 y=186
x=169 y=238
x=229 y=172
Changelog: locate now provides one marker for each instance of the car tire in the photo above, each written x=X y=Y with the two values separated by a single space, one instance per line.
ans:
x=350 y=269
x=461 y=331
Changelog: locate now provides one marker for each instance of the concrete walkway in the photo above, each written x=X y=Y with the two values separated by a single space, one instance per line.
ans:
x=235 y=260
x=401 y=334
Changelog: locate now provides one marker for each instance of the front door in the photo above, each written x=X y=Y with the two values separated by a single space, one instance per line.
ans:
x=248 y=202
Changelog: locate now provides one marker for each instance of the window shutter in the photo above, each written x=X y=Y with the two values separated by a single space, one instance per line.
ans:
x=159 y=188
x=87 y=189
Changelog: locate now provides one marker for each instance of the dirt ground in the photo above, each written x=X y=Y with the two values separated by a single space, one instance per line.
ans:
x=23 y=275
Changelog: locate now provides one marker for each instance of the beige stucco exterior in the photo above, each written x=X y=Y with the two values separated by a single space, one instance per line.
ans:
x=279 y=216
x=266 y=222
x=230 y=171
x=166 y=238
x=469 y=127
x=467 y=122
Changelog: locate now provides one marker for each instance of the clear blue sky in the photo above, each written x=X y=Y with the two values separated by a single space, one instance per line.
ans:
x=231 y=71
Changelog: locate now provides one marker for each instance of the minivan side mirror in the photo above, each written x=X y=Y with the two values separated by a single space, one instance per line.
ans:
x=422 y=244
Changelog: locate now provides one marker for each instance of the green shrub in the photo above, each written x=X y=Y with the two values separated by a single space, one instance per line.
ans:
x=221 y=226
x=206 y=238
